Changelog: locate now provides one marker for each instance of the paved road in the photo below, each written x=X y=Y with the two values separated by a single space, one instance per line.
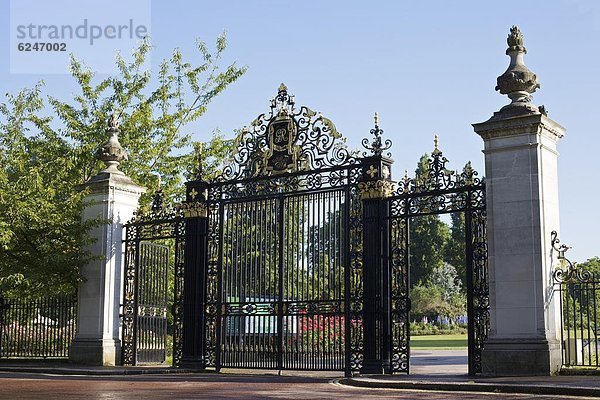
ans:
x=209 y=386
x=439 y=362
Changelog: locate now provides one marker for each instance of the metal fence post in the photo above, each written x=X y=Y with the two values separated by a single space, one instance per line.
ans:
x=375 y=186
x=195 y=211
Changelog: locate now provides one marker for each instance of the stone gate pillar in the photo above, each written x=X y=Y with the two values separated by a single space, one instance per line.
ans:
x=522 y=211
x=112 y=197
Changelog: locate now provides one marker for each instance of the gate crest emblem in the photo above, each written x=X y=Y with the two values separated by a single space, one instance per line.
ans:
x=282 y=153
x=286 y=139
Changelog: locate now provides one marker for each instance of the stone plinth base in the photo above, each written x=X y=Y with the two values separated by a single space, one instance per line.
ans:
x=95 y=352
x=192 y=363
x=521 y=357
x=374 y=368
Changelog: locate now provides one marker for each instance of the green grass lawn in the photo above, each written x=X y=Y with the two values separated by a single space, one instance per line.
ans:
x=438 y=342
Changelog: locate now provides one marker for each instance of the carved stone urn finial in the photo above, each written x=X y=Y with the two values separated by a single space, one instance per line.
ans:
x=111 y=153
x=515 y=40
x=518 y=82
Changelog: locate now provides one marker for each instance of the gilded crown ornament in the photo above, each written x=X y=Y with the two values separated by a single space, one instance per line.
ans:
x=518 y=82
x=112 y=153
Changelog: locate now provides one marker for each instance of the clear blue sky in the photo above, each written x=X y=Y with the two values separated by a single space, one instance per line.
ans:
x=427 y=67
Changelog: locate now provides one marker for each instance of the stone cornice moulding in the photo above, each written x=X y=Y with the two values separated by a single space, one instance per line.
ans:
x=103 y=183
x=517 y=126
x=519 y=146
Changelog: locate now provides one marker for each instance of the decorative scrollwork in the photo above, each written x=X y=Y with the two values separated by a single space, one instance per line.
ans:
x=438 y=176
x=378 y=189
x=286 y=139
x=355 y=309
x=439 y=189
x=212 y=286
x=193 y=209
x=376 y=147
x=160 y=223
x=400 y=301
x=569 y=273
x=158 y=210
x=320 y=179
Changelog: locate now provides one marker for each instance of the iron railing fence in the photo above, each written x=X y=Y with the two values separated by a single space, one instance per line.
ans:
x=578 y=291
x=37 y=328
x=580 y=325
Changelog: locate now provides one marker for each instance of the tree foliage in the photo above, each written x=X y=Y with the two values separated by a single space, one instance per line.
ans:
x=455 y=247
x=152 y=112
x=41 y=236
x=592 y=265
x=47 y=148
x=437 y=260
x=431 y=300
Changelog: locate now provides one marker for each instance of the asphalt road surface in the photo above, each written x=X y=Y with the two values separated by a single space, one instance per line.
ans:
x=210 y=386
x=439 y=362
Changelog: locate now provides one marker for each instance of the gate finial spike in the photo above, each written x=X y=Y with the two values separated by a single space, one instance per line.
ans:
x=282 y=87
x=377 y=146
x=436 y=142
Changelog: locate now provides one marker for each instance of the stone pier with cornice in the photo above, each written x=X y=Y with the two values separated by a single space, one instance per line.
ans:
x=113 y=197
x=522 y=210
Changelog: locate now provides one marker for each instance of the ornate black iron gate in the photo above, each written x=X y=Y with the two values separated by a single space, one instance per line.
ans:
x=283 y=248
x=282 y=273
x=153 y=287
x=296 y=254
x=442 y=191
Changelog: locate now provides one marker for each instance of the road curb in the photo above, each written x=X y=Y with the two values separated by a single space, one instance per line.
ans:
x=473 y=387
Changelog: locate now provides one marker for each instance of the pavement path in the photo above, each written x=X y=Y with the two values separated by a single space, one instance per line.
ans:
x=439 y=362
x=211 y=386
x=431 y=372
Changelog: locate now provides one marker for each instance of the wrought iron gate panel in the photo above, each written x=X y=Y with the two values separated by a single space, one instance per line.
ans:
x=250 y=287
x=152 y=303
x=213 y=282
x=284 y=270
x=354 y=281
x=441 y=191
x=400 y=301
x=147 y=293
x=314 y=269
x=478 y=290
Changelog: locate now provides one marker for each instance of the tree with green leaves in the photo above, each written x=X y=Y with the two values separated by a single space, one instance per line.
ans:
x=41 y=236
x=47 y=148
x=592 y=265
x=456 y=248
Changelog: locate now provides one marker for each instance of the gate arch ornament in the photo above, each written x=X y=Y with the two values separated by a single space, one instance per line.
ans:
x=294 y=259
x=286 y=139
